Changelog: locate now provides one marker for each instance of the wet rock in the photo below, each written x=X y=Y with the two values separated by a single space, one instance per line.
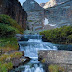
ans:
x=19 y=36
x=20 y=61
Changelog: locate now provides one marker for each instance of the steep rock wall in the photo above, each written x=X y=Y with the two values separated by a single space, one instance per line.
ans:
x=14 y=9
x=60 y=15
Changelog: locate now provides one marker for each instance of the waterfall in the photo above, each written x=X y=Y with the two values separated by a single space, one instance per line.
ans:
x=31 y=48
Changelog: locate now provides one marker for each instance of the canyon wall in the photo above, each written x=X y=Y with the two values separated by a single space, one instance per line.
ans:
x=35 y=15
x=60 y=15
x=14 y=9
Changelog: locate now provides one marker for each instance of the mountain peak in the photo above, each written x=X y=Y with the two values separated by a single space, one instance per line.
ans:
x=31 y=5
x=52 y=3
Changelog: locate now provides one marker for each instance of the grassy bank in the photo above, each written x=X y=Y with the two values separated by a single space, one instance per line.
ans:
x=61 y=35
x=6 y=61
x=8 y=42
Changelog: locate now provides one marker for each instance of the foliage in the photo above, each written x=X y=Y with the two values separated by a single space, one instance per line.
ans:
x=55 y=68
x=43 y=60
x=8 y=44
x=6 y=61
x=7 y=31
x=16 y=55
x=59 y=35
x=6 y=66
x=7 y=20
x=8 y=57
x=30 y=20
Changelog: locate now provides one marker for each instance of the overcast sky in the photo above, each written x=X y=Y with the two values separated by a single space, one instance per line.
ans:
x=39 y=1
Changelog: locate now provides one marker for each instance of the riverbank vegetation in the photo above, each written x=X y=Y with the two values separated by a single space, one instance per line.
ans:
x=56 y=68
x=8 y=29
x=6 y=60
x=8 y=42
x=61 y=35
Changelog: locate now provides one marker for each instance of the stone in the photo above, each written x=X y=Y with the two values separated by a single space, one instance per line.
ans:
x=19 y=36
x=61 y=58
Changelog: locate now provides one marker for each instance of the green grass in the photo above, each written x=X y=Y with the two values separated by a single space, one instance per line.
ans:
x=61 y=35
x=8 y=42
x=7 y=20
x=7 y=31
x=56 y=68
x=6 y=61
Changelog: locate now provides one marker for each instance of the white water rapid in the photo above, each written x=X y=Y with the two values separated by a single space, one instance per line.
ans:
x=31 y=48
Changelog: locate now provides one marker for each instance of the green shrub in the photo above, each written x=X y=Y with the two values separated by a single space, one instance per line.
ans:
x=59 y=35
x=53 y=68
x=30 y=20
x=7 y=31
x=5 y=19
x=8 y=44
x=56 y=68
x=6 y=66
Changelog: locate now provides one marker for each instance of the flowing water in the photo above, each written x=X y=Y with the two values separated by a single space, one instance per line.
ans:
x=31 y=48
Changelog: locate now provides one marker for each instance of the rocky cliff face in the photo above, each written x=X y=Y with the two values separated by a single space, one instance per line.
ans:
x=35 y=15
x=14 y=9
x=52 y=3
x=60 y=15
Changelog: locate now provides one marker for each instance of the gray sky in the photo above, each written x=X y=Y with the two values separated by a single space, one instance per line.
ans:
x=39 y=1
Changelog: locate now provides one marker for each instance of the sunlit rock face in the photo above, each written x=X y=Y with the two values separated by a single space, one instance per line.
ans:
x=52 y=3
x=35 y=15
x=14 y=9
x=60 y=15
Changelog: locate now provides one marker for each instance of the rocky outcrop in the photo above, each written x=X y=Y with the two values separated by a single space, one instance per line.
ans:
x=35 y=15
x=14 y=9
x=52 y=3
x=62 y=58
x=60 y=15
x=42 y=4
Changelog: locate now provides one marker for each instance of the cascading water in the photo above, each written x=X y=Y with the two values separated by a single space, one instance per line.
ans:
x=30 y=49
